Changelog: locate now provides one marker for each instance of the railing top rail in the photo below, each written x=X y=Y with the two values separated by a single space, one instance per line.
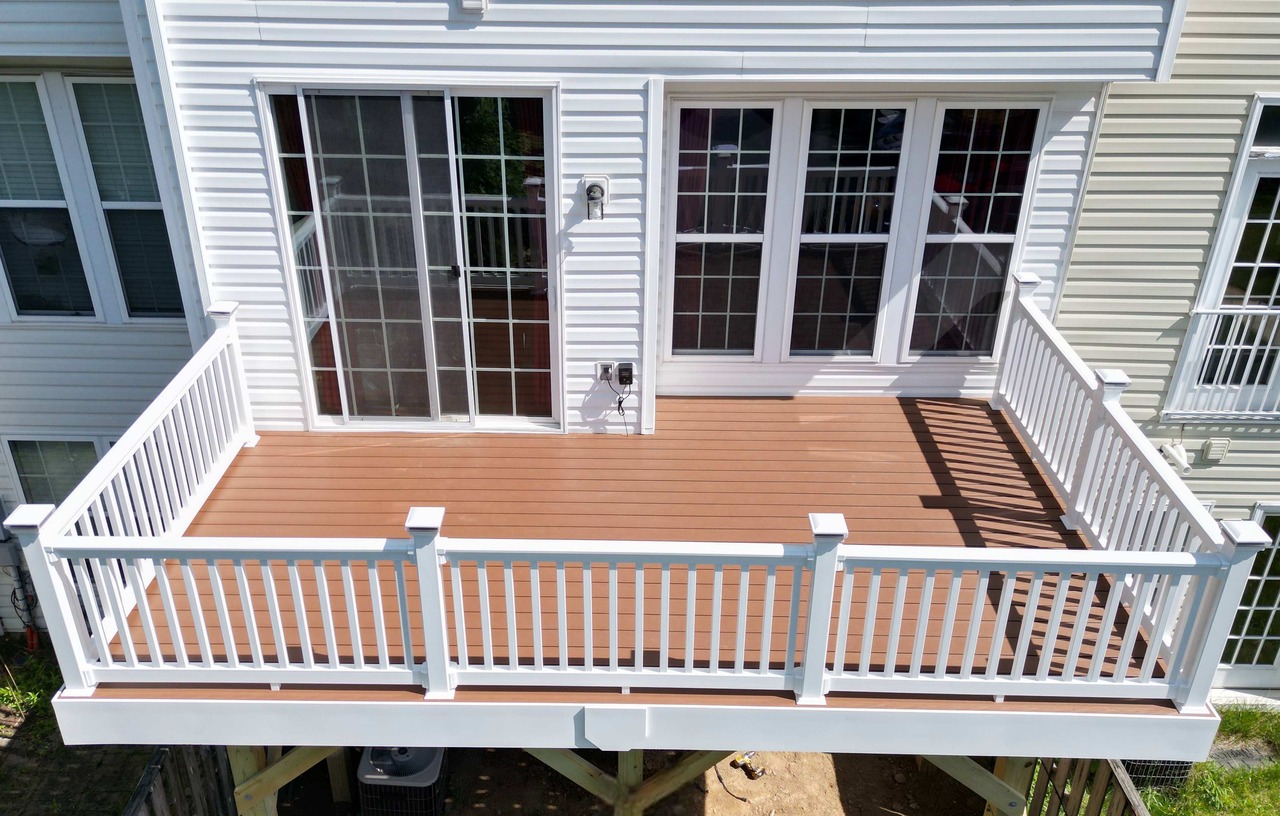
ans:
x=911 y=557
x=605 y=551
x=83 y=496
x=1069 y=356
x=229 y=548
x=1204 y=522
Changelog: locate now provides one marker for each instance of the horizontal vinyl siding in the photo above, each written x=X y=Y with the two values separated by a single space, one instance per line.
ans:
x=975 y=39
x=601 y=56
x=61 y=29
x=1164 y=161
x=91 y=381
x=58 y=381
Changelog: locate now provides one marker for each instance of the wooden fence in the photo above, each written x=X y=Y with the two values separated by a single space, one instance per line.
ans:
x=1083 y=787
x=185 y=780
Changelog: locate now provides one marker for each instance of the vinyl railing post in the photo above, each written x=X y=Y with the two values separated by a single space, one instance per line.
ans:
x=1026 y=284
x=423 y=525
x=829 y=532
x=1244 y=540
x=56 y=598
x=1112 y=382
x=223 y=315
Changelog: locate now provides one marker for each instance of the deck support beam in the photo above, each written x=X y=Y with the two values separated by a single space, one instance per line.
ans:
x=629 y=792
x=1017 y=773
x=1002 y=798
x=257 y=781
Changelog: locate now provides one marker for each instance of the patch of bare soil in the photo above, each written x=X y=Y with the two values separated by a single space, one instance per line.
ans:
x=512 y=782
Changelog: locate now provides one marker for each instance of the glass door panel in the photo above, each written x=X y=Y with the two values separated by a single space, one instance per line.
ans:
x=424 y=275
x=358 y=156
x=441 y=230
x=502 y=171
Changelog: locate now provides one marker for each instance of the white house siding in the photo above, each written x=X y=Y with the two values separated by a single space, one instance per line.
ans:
x=61 y=29
x=602 y=56
x=58 y=379
x=1164 y=160
x=58 y=382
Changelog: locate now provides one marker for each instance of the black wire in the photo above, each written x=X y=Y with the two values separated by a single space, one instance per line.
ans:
x=622 y=397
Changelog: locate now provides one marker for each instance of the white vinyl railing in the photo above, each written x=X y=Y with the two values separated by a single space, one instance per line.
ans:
x=154 y=479
x=1144 y=613
x=1230 y=368
x=1117 y=488
x=610 y=613
x=1008 y=621
x=810 y=619
x=152 y=482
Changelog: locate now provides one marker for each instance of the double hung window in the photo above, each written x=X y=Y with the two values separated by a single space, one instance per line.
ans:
x=82 y=233
x=792 y=233
x=48 y=470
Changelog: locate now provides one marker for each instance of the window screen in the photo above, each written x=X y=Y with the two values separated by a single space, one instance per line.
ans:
x=49 y=471
x=111 y=117
x=38 y=247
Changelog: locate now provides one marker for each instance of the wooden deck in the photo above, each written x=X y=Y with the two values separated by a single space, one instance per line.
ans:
x=919 y=471
x=910 y=471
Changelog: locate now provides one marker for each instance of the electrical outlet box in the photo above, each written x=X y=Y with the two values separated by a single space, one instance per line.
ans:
x=605 y=371
x=626 y=373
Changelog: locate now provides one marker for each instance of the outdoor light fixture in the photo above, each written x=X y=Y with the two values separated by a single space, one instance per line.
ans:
x=597 y=190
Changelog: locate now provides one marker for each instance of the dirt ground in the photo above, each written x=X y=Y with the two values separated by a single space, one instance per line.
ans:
x=511 y=782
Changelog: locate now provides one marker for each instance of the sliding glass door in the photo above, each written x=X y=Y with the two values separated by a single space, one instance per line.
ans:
x=420 y=240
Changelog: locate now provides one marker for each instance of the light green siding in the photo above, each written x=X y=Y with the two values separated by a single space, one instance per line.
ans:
x=1163 y=163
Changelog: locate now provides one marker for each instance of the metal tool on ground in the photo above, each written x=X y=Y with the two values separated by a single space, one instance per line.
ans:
x=746 y=763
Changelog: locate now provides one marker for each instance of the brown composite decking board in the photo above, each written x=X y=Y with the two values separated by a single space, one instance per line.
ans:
x=902 y=471
x=991 y=643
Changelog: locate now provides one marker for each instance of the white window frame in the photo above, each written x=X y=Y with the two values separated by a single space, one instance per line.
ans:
x=771 y=212
x=1244 y=675
x=553 y=189
x=101 y=445
x=1018 y=239
x=100 y=207
x=906 y=245
x=83 y=223
x=890 y=242
x=1249 y=170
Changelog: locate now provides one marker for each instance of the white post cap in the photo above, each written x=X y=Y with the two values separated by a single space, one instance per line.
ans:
x=828 y=524
x=1245 y=533
x=29 y=516
x=424 y=518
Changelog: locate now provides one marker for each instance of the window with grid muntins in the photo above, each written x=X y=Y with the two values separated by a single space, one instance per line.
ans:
x=49 y=470
x=851 y=178
x=979 y=182
x=722 y=185
x=116 y=139
x=38 y=249
x=433 y=254
x=1255 y=632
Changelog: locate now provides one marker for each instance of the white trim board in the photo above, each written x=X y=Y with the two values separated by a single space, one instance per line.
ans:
x=90 y=720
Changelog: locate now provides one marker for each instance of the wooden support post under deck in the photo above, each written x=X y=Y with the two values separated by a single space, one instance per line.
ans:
x=1016 y=772
x=246 y=762
x=630 y=775
x=256 y=791
x=1006 y=800
x=339 y=775
x=628 y=792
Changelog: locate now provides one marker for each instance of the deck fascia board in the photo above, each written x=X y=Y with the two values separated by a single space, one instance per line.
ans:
x=962 y=728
